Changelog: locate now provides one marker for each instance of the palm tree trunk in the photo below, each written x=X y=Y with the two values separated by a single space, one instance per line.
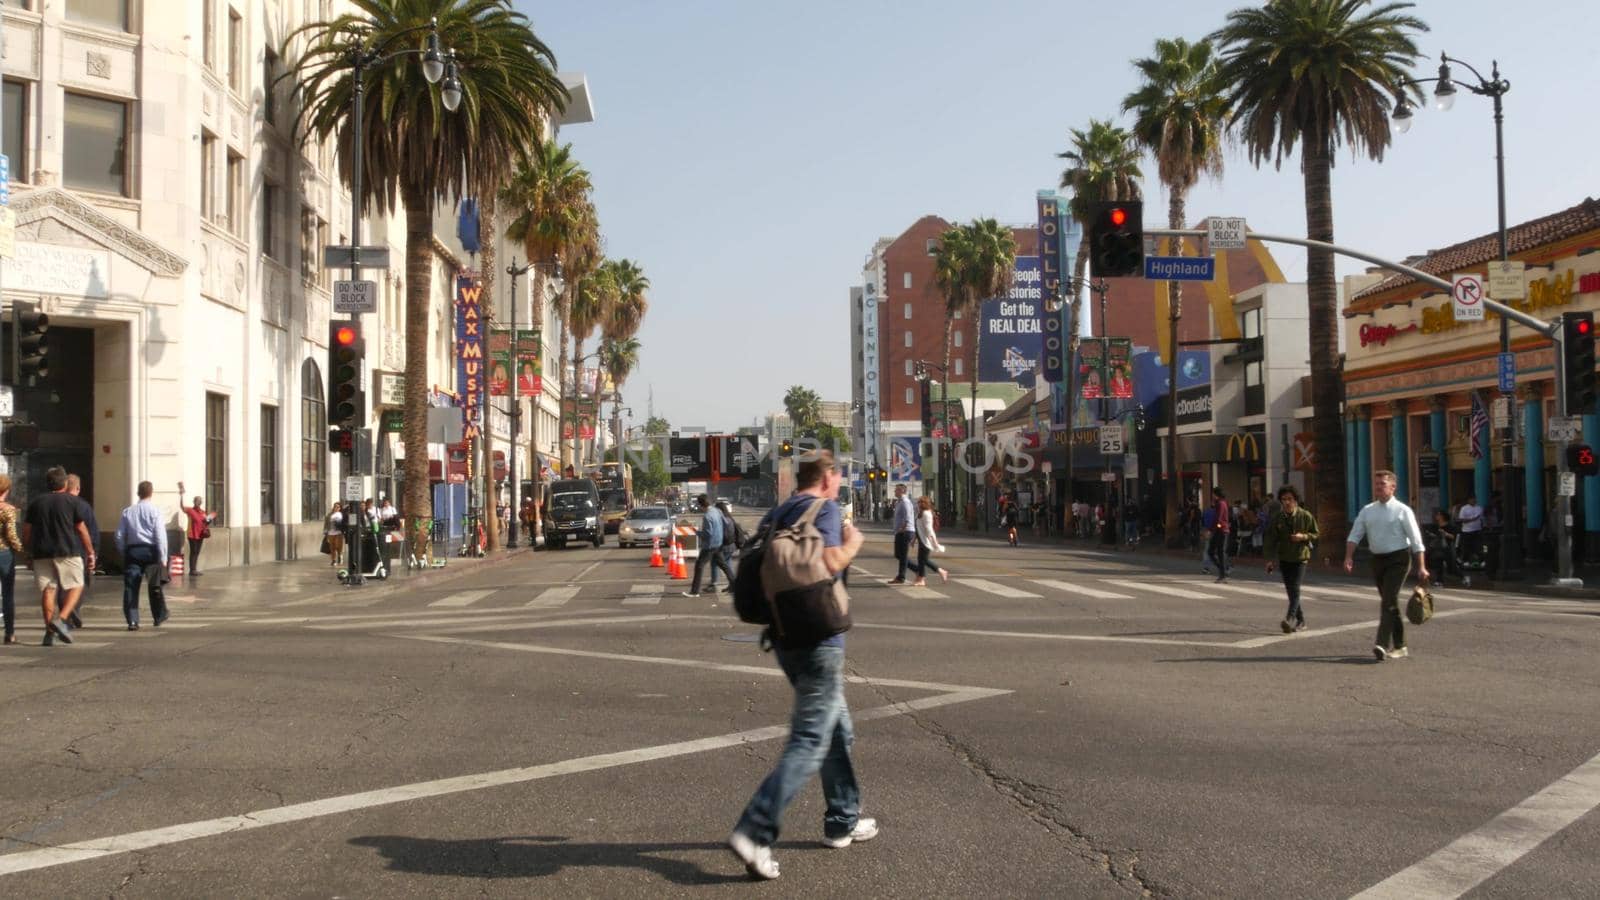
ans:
x=418 y=497
x=491 y=494
x=1175 y=221
x=1327 y=389
x=577 y=397
x=561 y=379
x=541 y=283
x=972 y=476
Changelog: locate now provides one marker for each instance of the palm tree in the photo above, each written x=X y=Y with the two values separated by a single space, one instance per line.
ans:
x=950 y=265
x=620 y=356
x=1103 y=165
x=627 y=313
x=1318 y=73
x=591 y=302
x=415 y=151
x=990 y=263
x=804 y=407
x=1180 y=113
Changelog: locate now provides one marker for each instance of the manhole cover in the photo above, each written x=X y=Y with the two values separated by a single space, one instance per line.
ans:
x=742 y=638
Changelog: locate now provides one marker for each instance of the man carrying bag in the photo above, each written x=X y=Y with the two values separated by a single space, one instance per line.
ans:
x=801 y=547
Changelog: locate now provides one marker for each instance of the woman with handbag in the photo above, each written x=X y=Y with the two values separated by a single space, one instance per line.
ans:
x=927 y=542
x=333 y=535
x=1287 y=544
x=10 y=555
x=199 y=528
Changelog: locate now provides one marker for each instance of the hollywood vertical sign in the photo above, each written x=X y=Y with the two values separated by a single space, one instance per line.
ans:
x=471 y=375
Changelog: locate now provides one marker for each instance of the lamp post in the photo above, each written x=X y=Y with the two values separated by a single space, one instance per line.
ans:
x=922 y=370
x=515 y=271
x=1076 y=286
x=438 y=67
x=1444 y=96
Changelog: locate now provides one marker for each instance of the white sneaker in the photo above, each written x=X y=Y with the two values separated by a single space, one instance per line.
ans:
x=865 y=830
x=1380 y=653
x=1399 y=653
x=757 y=858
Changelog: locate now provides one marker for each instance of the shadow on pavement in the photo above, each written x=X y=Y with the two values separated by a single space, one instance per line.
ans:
x=535 y=856
x=1362 y=660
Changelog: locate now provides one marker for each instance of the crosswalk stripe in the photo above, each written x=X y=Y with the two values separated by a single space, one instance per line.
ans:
x=1169 y=590
x=556 y=596
x=464 y=598
x=1070 y=588
x=999 y=590
x=1341 y=592
x=917 y=592
x=1251 y=590
x=16 y=660
x=652 y=588
x=642 y=600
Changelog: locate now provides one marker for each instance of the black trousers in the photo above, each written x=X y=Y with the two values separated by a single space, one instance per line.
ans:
x=1293 y=571
x=706 y=559
x=1219 y=551
x=1389 y=571
x=902 y=550
x=193 y=567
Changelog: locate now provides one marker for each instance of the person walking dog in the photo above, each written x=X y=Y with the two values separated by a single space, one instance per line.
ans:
x=1287 y=544
x=1394 y=540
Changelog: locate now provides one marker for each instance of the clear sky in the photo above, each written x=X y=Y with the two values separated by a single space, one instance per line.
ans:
x=747 y=154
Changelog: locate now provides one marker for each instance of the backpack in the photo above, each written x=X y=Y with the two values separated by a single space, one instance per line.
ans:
x=799 y=599
x=732 y=534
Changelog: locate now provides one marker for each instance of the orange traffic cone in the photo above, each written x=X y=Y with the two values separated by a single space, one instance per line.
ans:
x=679 y=571
x=655 y=553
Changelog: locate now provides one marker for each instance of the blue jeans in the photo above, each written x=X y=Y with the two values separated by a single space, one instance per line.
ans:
x=820 y=736
x=8 y=589
x=133 y=563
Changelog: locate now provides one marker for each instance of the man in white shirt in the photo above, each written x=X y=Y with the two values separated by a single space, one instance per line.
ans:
x=905 y=517
x=1393 y=539
x=1470 y=515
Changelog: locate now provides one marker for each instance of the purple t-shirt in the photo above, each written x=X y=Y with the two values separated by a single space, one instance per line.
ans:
x=829 y=522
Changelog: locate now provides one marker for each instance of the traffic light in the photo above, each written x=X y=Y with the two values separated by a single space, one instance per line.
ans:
x=1581 y=459
x=29 y=352
x=341 y=440
x=1116 y=239
x=872 y=475
x=786 y=448
x=347 y=401
x=1577 y=363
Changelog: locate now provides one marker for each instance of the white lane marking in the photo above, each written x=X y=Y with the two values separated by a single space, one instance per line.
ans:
x=16 y=660
x=654 y=587
x=1333 y=629
x=1070 y=588
x=1371 y=595
x=1478 y=855
x=862 y=571
x=587 y=569
x=920 y=592
x=642 y=600
x=1266 y=591
x=340 y=598
x=556 y=596
x=526 y=625
x=1169 y=590
x=463 y=598
x=1046 y=636
x=99 y=848
x=399 y=616
x=999 y=590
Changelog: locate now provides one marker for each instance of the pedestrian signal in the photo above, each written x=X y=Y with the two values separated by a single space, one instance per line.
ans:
x=1581 y=459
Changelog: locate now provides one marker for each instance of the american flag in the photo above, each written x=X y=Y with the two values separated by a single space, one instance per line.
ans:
x=1479 y=427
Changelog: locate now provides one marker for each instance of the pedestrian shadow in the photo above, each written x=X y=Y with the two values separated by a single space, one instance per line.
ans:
x=1358 y=660
x=535 y=856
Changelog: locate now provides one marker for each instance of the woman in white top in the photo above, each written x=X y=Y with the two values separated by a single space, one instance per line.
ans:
x=333 y=535
x=927 y=542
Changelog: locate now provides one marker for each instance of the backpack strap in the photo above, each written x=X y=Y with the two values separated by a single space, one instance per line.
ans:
x=810 y=515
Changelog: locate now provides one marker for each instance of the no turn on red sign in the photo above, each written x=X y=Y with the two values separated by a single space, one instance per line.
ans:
x=1466 y=294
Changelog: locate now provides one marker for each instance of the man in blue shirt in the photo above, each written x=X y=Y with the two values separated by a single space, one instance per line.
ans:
x=711 y=535
x=142 y=540
x=820 y=731
x=905 y=517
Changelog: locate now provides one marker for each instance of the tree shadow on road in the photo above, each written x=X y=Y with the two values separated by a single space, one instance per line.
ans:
x=1359 y=660
x=533 y=856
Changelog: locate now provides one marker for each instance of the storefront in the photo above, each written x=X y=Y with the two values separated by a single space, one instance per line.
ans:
x=1421 y=387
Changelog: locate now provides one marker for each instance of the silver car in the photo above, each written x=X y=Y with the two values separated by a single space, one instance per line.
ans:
x=643 y=524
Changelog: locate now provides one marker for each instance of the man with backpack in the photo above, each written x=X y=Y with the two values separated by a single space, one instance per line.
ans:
x=712 y=533
x=820 y=734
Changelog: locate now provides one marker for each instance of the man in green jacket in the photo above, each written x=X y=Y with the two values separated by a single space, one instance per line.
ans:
x=1287 y=545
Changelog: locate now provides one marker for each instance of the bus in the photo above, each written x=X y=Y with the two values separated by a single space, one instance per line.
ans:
x=615 y=481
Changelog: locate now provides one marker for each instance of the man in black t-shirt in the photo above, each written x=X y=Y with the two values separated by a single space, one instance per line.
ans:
x=54 y=533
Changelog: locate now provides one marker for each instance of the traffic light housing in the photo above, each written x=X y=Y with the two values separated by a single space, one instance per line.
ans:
x=1577 y=363
x=786 y=448
x=872 y=475
x=1582 y=460
x=341 y=440
x=30 y=362
x=1116 y=239
x=347 y=397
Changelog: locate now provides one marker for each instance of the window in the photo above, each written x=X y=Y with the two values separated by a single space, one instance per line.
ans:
x=104 y=13
x=907 y=279
x=933 y=246
x=269 y=465
x=235 y=51
x=908 y=367
x=1250 y=323
x=908 y=339
x=959 y=314
x=15 y=125
x=217 y=455
x=95 y=145
x=310 y=229
x=208 y=177
x=957 y=335
x=958 y=365
x=269 y=87
x=235 y=190
x=911 y=396
x=908 y=310
x=209 y=37
x=270 y=198
x=313 y=443
x=1252 y=374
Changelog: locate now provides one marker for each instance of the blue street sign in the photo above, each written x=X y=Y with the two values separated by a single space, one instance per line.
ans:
x=1180 y=268
x=1508 y=372
x=5 y=180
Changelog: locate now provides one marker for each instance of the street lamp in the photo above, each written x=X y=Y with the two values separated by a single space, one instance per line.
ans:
x=361 y=58
x=515 y=271
x=1445 y=88
x=946 y=489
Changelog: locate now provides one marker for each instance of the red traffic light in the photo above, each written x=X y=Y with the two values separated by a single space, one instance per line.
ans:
x=345 y=335
x=1119 y=216
x=1584 y=326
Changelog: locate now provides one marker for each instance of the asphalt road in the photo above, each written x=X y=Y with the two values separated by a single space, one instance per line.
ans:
x=1051 y=723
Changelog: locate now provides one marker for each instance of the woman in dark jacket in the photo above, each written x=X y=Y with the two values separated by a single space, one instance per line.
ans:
x=1287 y=545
